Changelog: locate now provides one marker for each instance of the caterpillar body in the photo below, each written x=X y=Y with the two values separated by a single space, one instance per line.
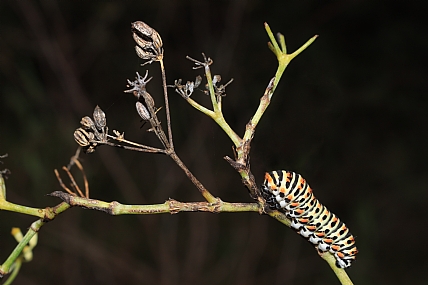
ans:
x=289 y=193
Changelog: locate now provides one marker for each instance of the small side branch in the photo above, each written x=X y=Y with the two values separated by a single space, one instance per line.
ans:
x=216 y=114
x=47 y=215
x=32 y=231
x=167 y=111
x=204 y=191
x=8 y=206
x=280 y=51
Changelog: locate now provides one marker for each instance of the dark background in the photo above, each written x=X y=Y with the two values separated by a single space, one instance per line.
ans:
x=349 y=114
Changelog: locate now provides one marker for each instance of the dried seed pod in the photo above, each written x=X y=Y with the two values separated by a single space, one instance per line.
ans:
x=82 y=137
x=148 y=99
x=143 y=54
x=87 y=123
x=186 y=90
x=198 y=81
x=145 y=35
x=149 y=42
x=142 y=111
x=189 y=88
x=216 y=79
x=99 y=118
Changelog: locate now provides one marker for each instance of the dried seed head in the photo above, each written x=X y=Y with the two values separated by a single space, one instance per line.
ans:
x=138 y=85
x=99 y=118
x=189 y=88
x=82 y=137
x=186 y=90
x=142 y=111
x=216 y=79
x=87 y=123
x=149 y=42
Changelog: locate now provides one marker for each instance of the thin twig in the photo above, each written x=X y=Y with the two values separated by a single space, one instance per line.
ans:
x=85 y=180
x=143 y=148
x=73 y=182
x=62 y=184
x=167 y=111
x=149 y=149
x=74 y=158
x=207 y=195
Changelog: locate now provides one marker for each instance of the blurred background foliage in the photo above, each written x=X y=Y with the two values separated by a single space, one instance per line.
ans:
x=349 y=115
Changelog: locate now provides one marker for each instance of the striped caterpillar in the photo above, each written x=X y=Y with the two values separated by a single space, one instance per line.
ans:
x=289 y=193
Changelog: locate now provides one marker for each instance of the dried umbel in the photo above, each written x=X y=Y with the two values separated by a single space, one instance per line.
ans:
x=93 y=131
x=219 y=90
x=139 y=91
x=138 y=85
x=149 y=42
x=186 y=90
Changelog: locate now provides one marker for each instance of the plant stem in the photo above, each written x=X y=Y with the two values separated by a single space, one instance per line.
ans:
x=340 y=272
x=171 y=206
x=2 y=189
x=219 y=119
x=15 y=270
x=200 y=108
x=34 y=228
x=7 y=206
x=207 y=195
x=283 y=61
x=218 y=114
